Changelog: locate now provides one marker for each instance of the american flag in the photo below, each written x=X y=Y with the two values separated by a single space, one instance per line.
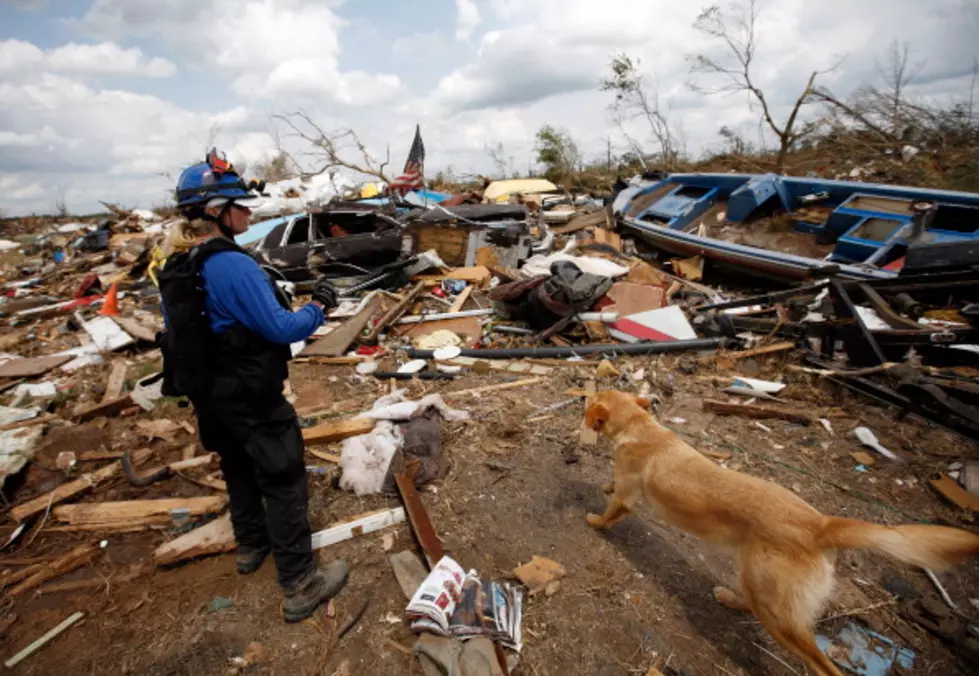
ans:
x=414 y=171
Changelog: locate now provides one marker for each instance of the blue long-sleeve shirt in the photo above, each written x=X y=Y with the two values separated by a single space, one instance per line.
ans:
x=239 y=291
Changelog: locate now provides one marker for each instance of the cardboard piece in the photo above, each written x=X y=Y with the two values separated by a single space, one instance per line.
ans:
x=628 y=299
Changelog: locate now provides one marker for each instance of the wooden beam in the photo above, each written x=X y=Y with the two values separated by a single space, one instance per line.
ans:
x=337 y=431
x=753 y=411
x=336 y=343
x=72 y=488
x=421 y=525
x=215 y=537
x=129 y=510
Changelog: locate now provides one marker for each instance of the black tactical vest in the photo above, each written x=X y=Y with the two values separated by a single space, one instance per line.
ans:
x=237 y=368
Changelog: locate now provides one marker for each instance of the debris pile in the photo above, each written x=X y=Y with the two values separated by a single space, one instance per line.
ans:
x=522 y=286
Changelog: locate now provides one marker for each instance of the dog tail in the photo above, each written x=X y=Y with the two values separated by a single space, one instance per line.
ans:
x=934 y=547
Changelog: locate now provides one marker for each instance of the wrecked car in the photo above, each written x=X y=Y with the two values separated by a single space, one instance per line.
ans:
x=340 y=240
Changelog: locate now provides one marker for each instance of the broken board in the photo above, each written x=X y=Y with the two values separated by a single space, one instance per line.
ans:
x=337 y=431
x=125 y=510
x=33 y=366
x=215 y=537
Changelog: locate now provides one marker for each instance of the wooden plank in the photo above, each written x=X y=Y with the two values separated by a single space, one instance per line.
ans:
x=128 y=510
x=32 y=366
x=461 y=299
x=954 y=493
x=105 y=408
x=117 y=379
x=337 y=431
x=72 y=488
x=495 y=388
x=338 y=341
x=74 y=559
x=394 y=313
x=359 y=525
x=744 y=354
x=421 y=525
x=589 y=436
x=215 y=537
x=753 y=411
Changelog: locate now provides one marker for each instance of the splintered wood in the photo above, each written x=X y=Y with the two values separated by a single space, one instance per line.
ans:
x=215 y=537
x=129 y=510
x=72 y=488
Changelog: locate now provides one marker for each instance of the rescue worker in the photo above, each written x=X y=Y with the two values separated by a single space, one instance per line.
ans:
x=226 y=346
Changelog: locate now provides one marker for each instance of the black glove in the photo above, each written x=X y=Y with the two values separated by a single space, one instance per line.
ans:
x=325 y=293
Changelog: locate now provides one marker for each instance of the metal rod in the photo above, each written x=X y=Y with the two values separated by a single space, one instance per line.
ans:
x=618 y=348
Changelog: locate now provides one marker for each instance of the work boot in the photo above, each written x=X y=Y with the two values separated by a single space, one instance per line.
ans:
x=250 y=559
x=316 y=587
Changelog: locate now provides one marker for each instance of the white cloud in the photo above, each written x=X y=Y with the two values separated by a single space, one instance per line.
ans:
x=30 y=5
x=492 y=72
x=22 y=59
x=268 y=48
x=468 y=18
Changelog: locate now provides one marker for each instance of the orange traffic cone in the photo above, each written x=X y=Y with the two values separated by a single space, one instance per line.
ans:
x=110 y=307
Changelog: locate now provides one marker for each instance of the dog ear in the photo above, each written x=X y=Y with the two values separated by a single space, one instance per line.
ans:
x=642 y=402
x=596 y=415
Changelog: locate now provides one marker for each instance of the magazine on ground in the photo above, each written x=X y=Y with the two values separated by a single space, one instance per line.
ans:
x=451 y=602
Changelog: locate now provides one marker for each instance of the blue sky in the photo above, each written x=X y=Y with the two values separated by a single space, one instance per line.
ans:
x=108 y=99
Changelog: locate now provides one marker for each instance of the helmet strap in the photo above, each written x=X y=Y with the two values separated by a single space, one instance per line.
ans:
x=225 y=230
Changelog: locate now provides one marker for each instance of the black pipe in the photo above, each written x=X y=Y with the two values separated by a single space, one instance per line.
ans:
x=558 y=352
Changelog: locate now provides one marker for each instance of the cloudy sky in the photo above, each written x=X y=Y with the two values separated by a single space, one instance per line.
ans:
x=109 y=99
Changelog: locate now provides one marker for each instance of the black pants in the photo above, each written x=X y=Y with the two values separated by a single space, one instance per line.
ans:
x=261 y=449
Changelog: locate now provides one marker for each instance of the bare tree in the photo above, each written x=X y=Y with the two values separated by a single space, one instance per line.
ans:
x=635 y=100
x=735 y=30
x=330 y=150
x=60 y=203
x=498 y=156
x=897 y=73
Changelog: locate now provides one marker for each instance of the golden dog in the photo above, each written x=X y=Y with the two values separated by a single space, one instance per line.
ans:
x=784 y=546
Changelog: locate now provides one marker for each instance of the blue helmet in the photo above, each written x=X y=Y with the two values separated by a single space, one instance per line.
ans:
x=215 y=177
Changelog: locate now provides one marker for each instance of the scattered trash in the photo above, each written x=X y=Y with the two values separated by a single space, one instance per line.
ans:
x=451 y=602
x=867 y=653
x=869 y=439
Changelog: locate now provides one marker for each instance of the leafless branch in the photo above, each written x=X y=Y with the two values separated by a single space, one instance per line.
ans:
x=329 y=150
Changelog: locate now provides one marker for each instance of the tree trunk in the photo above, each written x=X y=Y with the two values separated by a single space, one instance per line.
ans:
x=783 y=151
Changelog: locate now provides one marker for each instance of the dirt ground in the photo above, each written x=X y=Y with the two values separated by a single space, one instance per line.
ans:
x=636 y=596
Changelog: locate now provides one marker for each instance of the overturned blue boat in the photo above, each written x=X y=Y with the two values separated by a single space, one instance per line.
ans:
x=803 y=228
